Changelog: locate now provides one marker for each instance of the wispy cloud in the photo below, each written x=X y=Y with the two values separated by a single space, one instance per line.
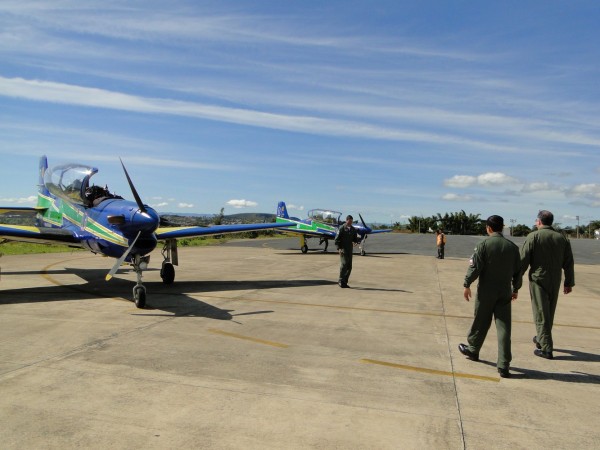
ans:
x=21 y=200
x=242 y=203
x=457 y=198
x=488 y=179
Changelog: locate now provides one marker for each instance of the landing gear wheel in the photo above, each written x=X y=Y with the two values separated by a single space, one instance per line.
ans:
x=363 y=253
x=304 y=248
x=167 y=273
x=139 y=296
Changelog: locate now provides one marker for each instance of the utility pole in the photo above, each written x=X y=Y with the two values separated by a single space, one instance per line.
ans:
x=577 y=226
x=512 y=224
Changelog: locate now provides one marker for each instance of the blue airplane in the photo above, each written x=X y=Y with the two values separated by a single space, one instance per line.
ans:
x=321 y=223
x=72 y=212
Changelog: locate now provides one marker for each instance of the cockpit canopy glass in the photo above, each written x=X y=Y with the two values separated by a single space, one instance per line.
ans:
x=71 y=182
x=325 y=216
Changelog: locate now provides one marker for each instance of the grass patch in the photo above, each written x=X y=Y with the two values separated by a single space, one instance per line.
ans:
x=26 y=248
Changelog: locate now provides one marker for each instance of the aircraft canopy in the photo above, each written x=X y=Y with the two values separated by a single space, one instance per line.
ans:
x=71 y=182
x=325 y=216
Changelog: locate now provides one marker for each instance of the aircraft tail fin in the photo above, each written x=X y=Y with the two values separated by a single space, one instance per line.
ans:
x=282 y=211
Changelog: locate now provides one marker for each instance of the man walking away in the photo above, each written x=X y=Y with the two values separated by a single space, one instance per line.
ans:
x=547 y=253
x=345 y=239
x=496 y=263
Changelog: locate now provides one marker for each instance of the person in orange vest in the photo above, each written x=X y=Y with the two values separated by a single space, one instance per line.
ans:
x=441 y=243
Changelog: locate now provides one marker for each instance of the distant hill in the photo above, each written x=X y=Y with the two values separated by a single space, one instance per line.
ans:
x=250 y=217
x=207 y=219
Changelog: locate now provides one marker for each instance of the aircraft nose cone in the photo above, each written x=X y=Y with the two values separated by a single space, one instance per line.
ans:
x=147 y=221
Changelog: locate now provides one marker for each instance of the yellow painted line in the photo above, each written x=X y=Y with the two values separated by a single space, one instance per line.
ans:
x=431 y=371
x=248 y=338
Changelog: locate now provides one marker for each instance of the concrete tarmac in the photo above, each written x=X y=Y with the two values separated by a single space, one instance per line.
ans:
x=255 y=346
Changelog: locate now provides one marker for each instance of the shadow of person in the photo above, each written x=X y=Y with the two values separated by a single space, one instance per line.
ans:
x=575 y=355
x=531 y=374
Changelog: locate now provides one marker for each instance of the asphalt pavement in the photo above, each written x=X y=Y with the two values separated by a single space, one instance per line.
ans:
x=255 y=346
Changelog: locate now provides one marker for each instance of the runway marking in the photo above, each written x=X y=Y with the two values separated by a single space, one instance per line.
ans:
x=431 y=371
x=248 y=338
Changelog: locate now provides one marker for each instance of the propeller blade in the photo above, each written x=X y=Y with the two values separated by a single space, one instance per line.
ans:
x=121 y=259
x=138 y=200
x=363 y=222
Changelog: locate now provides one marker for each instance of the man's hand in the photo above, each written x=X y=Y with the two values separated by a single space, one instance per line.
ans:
x=467 y=294
x=568 y=289
x=514 y=296
x=341 y=251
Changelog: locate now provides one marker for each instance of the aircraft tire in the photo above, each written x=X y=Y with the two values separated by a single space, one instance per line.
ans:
x=363 y=253
x=139 y=296
x=167 y=273
x=304 y=249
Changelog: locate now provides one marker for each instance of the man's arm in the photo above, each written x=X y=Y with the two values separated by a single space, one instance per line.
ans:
x=526 y=252
x=569 y=268
x=473 y=271
x=517 y=279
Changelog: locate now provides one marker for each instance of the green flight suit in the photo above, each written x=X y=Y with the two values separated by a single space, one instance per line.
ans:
x=496 y=263
x=548 y=253
x=345 y=239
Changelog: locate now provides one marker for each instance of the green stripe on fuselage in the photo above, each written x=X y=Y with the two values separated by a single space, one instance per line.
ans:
x=57 y=211
x=314 y=228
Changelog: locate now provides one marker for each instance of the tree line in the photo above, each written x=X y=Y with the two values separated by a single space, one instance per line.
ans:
x=472 y=224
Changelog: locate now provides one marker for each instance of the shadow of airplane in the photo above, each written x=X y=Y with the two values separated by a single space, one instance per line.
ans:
x=314 y=252
x=380 y=290
x=173 y=300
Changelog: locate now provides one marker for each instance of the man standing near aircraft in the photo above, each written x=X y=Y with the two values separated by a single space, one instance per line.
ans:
x=496 y=262
x=547 y=252
x=345 y=239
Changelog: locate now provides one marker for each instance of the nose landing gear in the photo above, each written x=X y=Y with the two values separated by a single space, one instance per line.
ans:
x=140 y=263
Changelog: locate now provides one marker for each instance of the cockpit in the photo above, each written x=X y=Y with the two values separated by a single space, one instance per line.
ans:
x=71 y=182
x=325 y=216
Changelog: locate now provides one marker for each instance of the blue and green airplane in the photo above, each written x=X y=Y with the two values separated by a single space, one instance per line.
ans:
x=72 y=212
x=322 y=224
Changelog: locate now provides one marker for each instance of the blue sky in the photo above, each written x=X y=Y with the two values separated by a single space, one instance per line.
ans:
x=384 y=108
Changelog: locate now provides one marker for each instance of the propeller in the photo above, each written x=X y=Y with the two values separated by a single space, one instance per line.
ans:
x=138 y=200
x=363 y=223
x=121 y=259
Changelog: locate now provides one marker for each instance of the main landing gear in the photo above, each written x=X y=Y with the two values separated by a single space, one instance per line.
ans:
x=170 y=259
x=304 y=245
x=326 y=241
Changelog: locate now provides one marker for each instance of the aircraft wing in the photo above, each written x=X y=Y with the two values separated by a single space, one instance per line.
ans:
x=20 y=209
x=41 y=235
x=183 y=232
